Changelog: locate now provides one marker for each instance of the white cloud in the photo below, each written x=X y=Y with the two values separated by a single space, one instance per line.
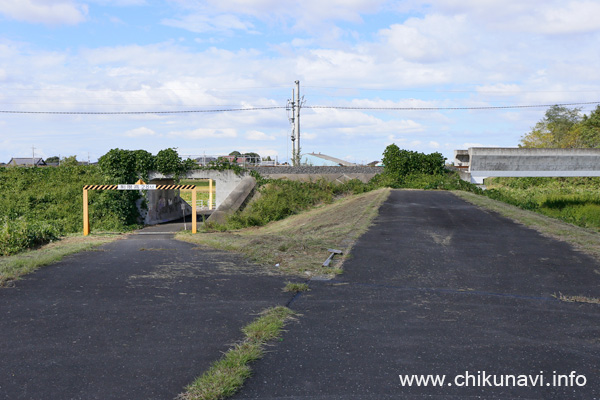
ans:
x=547 y=17
x=258 y=135
x=434 y=38
x=205 y=133
x=306 y=15
x=51 y=12
x=120 y=3
x=140 y=132
x=308 y=136
x=572 y=17
x=201 y=23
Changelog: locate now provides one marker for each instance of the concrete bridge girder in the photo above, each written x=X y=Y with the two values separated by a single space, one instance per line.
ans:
x=486 y=162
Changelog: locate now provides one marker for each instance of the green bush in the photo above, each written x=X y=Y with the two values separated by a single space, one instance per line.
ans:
x=20 y=234
x=401 y=163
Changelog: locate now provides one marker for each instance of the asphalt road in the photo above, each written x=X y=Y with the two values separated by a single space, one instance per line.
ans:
x=438 y=286
x=138 y=318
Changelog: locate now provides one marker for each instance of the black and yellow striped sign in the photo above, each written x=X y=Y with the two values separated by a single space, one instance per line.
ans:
x=172 y=187
x=133 y=187
x=100 y=187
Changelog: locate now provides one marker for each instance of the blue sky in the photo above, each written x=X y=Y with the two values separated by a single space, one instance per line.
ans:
x=147 y=55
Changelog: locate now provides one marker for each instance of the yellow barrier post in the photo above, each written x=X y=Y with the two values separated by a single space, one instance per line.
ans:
x=86 y=216
x=210 y=195
x=194 y=212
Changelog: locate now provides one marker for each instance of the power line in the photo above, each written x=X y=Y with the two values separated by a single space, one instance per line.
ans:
x=450 y=108
x=455 y=91
x=140 y=112
x=311 y=107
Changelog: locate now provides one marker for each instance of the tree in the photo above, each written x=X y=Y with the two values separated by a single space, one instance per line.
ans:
x=235 y=153
x=400 y=163
x=588 y=130
x=52 y=160
x=168 y=162
x=70 y=161
x=555 y=130
x=118 y=166
x=144 y=163
x=252 y=157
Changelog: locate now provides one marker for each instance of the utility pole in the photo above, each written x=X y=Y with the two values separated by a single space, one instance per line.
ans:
x=294 y=105
x=297 y=122
x=291 y=106
x=32 y=156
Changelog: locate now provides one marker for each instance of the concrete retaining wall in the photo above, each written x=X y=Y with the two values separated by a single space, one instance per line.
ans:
x=234 y=201
x=226 y=182
x=309 y=173
x=307 y=169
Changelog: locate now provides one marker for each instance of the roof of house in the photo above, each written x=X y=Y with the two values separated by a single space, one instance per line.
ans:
x=339 y=161
x=26 y=161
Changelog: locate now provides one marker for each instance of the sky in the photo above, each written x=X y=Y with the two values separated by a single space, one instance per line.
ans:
x=412 y=60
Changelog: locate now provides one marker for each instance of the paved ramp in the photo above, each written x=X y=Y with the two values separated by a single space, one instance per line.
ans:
x=138 y=318
x=438 y=286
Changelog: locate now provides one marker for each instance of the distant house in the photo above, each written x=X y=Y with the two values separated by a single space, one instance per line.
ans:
x=205 y=160
x=229 y=159
x=26 y=162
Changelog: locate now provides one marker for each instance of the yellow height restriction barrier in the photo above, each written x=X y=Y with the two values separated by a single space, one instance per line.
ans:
x=206 y=194
x=139 y=185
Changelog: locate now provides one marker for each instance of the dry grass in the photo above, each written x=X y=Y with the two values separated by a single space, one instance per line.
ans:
x=578 y=299
x=298 y=244
x=582 y=239
x=13 y=267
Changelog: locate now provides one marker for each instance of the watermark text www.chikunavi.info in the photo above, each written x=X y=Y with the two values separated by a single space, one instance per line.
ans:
x=483 y=379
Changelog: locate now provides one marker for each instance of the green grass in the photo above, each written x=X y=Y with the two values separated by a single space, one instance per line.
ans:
x=293 y=287
x=202 y=196
x=573 y=200
x=298 y=244
x=280 y=198
x=226 y=376
x=15 y=266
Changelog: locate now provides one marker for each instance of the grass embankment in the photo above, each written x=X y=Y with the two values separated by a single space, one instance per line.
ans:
x=227 y=375
x=585 y=240
x=299 y=243
x=39 y=205
x=573 y=200
x=15 y=266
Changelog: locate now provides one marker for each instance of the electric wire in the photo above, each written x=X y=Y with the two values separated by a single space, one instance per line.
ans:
x=450 y=108
x=315 y=107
